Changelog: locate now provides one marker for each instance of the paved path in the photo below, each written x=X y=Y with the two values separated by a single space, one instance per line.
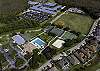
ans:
x=58 y=17
x=52 y=40
x=34 y=30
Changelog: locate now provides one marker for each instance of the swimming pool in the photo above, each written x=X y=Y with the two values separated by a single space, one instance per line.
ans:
x=38 y=43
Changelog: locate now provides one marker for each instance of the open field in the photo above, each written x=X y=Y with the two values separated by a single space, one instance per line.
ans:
x=51 y=0
x=32 y=34
x=76 y=22
x=94 y=67
x=12 y=7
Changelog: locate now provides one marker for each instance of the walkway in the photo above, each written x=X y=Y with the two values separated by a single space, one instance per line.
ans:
x=58 y=17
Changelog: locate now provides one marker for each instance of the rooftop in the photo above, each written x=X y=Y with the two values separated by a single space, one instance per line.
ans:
x=58 y=43
x=33 y=3
x=57 y=31
x=29 y=47
x=18 y=39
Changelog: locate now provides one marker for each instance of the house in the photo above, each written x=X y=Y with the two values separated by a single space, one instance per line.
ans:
x=47 y=52
x=39 y=43
x=97 y=32
x=80 y=56
x=62 y=63
x=71 y=59
x=98 y=47
x=76 y=10
x=58 y=32
x=76 y=61
x=49 y=68
x=18 y=39
x=32 y=3
x=84 y=51
x=58 y=43
x=28 y=47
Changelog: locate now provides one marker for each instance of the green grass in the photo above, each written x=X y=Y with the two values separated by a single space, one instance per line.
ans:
x=32 y=34
x=76 y=22
x=4 y=39
x=93 y=67
x=51 y=1
x=12 y=7
x=46 y=37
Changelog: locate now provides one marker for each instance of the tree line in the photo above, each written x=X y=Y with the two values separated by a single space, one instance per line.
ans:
x=91 y=7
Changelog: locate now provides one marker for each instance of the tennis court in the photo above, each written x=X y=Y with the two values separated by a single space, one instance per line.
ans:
x=68 y=35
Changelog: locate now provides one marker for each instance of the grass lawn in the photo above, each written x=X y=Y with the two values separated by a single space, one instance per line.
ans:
x=51 y=1
x=31 y=34
x=93 y=67
x=46 y=37
x=4 y=39
x=76 y=22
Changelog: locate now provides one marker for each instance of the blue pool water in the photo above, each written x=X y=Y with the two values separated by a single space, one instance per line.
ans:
x=38 y=42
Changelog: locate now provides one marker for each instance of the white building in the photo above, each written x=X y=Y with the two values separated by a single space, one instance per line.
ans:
x=58 y=43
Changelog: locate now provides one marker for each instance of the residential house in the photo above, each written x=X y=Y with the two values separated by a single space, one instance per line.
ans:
x=62 y=63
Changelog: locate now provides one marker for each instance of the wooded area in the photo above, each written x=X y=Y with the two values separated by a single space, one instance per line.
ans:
x=12 y=7
x=91 y=7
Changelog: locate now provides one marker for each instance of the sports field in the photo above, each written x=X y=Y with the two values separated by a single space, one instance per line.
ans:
x=79 y=23
x=68 y=35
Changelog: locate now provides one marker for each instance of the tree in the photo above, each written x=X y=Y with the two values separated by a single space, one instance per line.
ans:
x=91 y=7
x=0 y=66
x=60 y=24
x=36 y=59
x=68 y=43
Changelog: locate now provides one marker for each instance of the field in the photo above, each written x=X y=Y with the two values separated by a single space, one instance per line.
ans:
x=94 y=67
x=68 y=35
x=76 y=22
x=51 y=1
x=12 y=7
